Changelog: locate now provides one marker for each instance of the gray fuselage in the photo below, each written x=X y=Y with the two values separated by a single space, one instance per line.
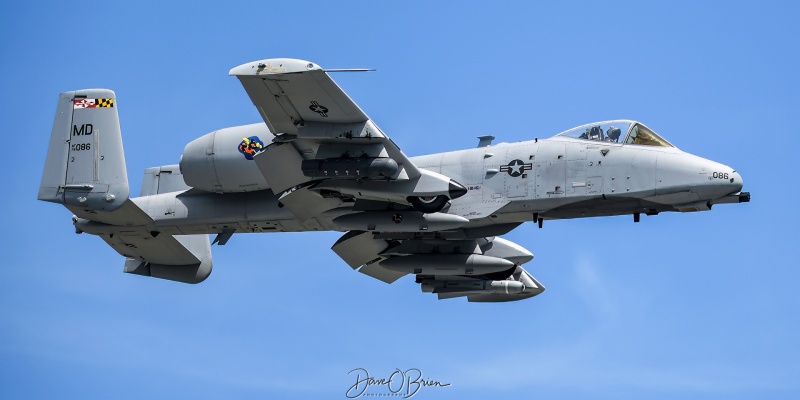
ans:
x=516 y=182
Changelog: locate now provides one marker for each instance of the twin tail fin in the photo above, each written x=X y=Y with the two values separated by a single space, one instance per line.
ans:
x=85 y=165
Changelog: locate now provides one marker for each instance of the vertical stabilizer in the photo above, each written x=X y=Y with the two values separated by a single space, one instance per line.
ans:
x=85 y=165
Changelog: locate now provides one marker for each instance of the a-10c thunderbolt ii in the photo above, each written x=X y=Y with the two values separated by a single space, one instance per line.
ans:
x=319 y=163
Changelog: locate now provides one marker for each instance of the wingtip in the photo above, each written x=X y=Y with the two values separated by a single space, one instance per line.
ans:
x=273 y=66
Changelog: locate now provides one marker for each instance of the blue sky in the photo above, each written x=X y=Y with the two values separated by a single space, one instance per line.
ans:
x=698 y=305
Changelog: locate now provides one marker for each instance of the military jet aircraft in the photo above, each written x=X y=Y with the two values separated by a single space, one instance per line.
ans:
x=318 y=162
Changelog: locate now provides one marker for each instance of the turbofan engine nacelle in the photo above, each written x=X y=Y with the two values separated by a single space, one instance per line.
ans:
x=222 y=161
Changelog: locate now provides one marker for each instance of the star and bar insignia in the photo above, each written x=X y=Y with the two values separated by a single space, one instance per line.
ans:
x=92 y=103
x=318 y=108
x=516 y=168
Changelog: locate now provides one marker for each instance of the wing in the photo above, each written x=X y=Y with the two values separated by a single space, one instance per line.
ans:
x=298 y=98
x=325 y=143
x=327 y=153
x=451 y=264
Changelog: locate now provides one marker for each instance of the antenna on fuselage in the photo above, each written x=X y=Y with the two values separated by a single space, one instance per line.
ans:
x=485 y=141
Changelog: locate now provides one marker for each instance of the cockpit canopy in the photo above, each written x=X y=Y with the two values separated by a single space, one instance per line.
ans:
x=618 y=131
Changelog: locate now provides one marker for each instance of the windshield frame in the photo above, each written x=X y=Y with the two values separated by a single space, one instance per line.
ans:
x=635 y=124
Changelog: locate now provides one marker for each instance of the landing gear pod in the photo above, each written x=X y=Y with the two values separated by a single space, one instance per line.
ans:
x=432 y=204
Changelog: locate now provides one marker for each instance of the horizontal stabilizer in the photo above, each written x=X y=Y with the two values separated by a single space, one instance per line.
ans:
x=165 y=179
x=182 y=258
x=127 y=214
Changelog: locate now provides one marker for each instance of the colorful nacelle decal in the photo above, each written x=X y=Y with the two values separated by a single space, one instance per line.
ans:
x=251 y=146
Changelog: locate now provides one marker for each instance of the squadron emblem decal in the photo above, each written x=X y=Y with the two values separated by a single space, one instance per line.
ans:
x=516 y=168
x=318 y=108
x=264 y=68
x=251 y=146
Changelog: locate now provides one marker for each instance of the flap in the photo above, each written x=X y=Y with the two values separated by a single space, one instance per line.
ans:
x=281 y=166
x=360 y=249
x=306 y=204
x=380 y=273
x=357 y=248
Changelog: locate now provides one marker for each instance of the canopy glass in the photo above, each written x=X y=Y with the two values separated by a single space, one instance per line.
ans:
x=617 y=131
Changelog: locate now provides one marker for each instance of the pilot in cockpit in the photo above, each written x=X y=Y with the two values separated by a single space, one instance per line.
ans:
x=613 y=134
x=596 y=133
x=593 y=133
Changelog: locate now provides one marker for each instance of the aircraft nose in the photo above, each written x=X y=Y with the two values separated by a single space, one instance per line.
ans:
x=700 y=180
x=722 y=180
x=737 y=183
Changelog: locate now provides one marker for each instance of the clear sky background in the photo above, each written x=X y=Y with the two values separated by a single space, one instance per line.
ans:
x=697 y=305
